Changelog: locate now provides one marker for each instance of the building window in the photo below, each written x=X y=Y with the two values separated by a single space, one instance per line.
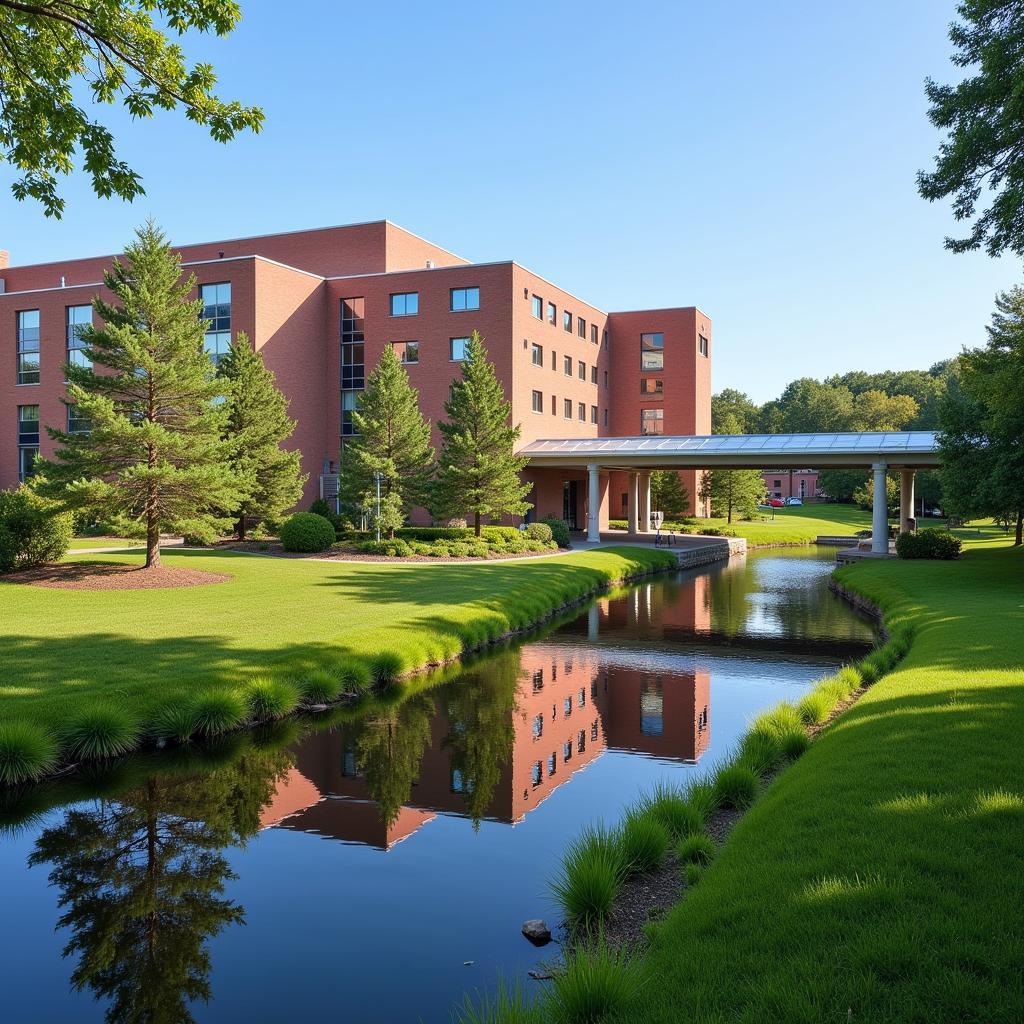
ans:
x=606 y=378
x=652 y=421
x=536 y=773
x=28 y=440
x=538 y=680
x=554 y=360
x=776 y=483
x=538 y=307
x=567 y=408
x=77 y=424
x=457 y=349
x=552 y=762
x=702 y=344
x=552 y=314
x=652 y=386
x=567 y=751
x=581 y=370
x=604 y=339
x=581 y=412
x=554 y=406
x=28 y=346
x=26 y=462
x=537 y=354
x=464 y=299
x=593 y=730
x=581 y=741
x=217 y=314
x=405 y=304
x=77 y=318
x=567 y=706
x=652 y=708
x=567 y=365
x=538 y=402
x=593 y=415
x=652 y=351
x=581 y=698
x=593 y=334
x=538 y=726
x=606 y=417
x=593 y=375
x=353 y=365
x=407 y=351
x=567 y=321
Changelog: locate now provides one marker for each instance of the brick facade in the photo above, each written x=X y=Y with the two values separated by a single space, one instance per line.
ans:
x=286 y=294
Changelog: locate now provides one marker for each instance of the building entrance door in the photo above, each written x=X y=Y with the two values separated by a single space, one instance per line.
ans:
x=570 y=502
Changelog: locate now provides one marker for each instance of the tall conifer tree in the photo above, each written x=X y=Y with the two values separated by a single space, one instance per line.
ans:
x=257 y=424
x=478 y=471
x=392 y=439
x=154 y=451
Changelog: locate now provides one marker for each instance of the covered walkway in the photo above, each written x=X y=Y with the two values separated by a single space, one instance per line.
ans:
x=904 y=452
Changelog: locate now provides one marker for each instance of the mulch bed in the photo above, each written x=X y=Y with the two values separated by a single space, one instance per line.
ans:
x=106 y=576
x=343 y=554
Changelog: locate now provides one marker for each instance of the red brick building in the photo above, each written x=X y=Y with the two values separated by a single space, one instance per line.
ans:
x=320 y=305
x=791 y=483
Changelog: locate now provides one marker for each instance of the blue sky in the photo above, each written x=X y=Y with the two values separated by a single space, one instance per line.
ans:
x=754 y=159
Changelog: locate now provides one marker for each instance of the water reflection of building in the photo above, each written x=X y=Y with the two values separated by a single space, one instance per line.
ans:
x=571 y=703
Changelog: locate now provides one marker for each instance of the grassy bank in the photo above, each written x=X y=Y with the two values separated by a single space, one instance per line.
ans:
x=878 y=878
x=108 y=669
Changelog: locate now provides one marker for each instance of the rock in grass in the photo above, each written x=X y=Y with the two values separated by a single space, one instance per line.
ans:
x=537 y=931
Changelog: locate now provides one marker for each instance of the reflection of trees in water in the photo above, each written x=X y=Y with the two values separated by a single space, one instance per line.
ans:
x=479 y=709
x=142 y=884
x=389 y=746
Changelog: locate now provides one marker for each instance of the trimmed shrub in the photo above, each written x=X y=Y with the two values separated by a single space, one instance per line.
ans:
x=928 y=544
x=736 y=786
x=669 y=806
x=594 y=985
x=306 y=531
x=396 y=548
x=100 y=731
x=643 y=842
x=270 y=698
x=697 y=849
x=218 y=711
x=559 y=530
x=590 y=877
x=32 y=530
x=26 y=752
x=430 y=533
x=319 y=687
x=539 y=531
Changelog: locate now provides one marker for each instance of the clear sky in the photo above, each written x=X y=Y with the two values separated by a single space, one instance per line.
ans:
x=754 y=159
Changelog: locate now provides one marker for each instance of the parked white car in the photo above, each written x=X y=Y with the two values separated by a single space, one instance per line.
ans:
x=794 y=501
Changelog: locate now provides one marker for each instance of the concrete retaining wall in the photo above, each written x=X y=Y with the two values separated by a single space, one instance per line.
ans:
x=706 y=550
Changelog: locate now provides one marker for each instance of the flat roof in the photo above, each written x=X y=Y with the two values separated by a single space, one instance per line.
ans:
x=917 y=448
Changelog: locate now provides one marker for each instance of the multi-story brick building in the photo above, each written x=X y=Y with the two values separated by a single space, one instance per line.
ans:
x=320 y=305
x=791 y=483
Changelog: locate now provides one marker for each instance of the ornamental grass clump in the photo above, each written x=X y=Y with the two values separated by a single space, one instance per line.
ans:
x=26 y=752
x=385 y=668
x=355 y=676
x=102 y=730
x=643 y=843
x=320 y=687
x=594 y=985
x=696 y=849
x=175 y=722
x=669 y=806
x=736 y=786
x=270 y=698
x=760 y=751
x=814 y=707
x=590 y=876
x=506 y=1006
x=218 y=711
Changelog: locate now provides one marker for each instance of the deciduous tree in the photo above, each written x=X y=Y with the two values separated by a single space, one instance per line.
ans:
x=668 y=494
x=732 y=492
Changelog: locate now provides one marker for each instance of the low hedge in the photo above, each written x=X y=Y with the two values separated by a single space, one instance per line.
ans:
x=32 y=530
x=559 y=530
x=306 y=532
x=928 y=544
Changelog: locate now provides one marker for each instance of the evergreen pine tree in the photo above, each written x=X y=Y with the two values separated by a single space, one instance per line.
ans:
x=392 y=439
x=478 y=471
x=668 y=494
x=257 y=424
x=154 y=452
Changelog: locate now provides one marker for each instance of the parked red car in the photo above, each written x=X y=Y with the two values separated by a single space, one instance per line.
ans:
x=775 y=503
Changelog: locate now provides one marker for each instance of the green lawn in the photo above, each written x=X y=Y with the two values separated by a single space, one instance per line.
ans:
x=879 y=878
x=87 y=543
x=62 y=648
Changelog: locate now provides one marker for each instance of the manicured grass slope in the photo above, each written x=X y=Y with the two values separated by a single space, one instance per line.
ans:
x=63 y=648
x=879 y=878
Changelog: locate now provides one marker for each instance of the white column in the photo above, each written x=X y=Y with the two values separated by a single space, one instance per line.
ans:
x=593 y=503
x=645 y=502
x=879 y=513
x=633 y=510
x=906 y=499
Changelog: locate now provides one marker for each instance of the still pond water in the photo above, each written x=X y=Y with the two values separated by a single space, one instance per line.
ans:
x=377 y=869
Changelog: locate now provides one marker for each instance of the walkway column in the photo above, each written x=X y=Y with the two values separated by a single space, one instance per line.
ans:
x=879 y=513
x=906 y=499
x=645 y=502
x=593 y=503
x=633 y=510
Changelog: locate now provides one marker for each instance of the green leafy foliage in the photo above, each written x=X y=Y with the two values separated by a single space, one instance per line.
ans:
x=590 y=876
x=32 y=530
x=928 y=544
x=732 y=492
x=26 y=752
x=668 y=493
x=110 y=50
x=539 y=531
x=478 y=472
x=559 y=531
x=100 y=730
x=155 y=451
x=270 y=698
x=306 y=532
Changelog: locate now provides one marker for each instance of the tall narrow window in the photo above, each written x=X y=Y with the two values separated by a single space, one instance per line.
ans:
x=77 y=424
x=464 y=299
x=554 y=406
x=581 y=370
x=537 y=304
x=353 y=359
x=652 y=351
x=702 y=344
x=567 y=365
x=28 y=346
x=593 y=375
x=593 y=415
x=567 y=408
x=581 y=412
x=552 y=313
x=537 y=354
x=28 y=440
x=217 y=312
x=652 y=421
x=567 y=321
x=581 y=327
x=538 y=402
x=78 y=317
x=593 y=334
x=405 y=304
